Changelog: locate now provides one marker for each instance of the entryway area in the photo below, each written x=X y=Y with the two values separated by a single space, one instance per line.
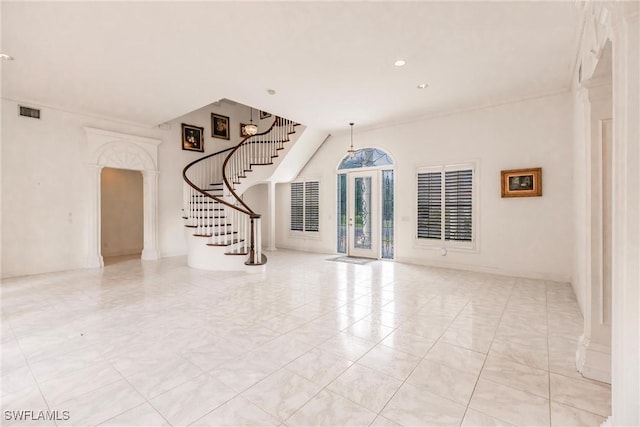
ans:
x=365 y=205
x=121 y=211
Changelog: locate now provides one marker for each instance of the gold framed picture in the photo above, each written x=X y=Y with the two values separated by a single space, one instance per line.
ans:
x=219 y=126
x=521 y=182
x=192 y=138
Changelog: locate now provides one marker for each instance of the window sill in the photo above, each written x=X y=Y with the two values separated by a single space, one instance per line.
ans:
x=450 y=247
x=314 y=235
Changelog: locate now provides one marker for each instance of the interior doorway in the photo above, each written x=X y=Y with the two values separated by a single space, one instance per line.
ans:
x=122 y=214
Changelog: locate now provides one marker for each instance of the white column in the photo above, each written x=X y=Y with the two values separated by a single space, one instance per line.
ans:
x=94 y=251
x=150 y=190
x=593 y=356
x=625 y=387
x=271 y=196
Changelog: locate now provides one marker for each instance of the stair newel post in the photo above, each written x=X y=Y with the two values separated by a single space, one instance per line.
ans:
x=258 y=232
x=252 y=243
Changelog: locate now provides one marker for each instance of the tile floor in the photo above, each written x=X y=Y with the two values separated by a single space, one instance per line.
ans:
x=308 y=343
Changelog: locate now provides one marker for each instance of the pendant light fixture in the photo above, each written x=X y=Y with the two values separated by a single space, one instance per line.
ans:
x=351 y=151
x=251 y=129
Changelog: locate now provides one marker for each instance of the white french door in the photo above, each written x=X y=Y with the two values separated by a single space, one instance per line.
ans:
x=363 y=198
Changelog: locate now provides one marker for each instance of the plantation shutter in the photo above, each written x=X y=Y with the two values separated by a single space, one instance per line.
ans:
x=297 y=206
x=458 y=190
x=430 y=205
x=312 y=206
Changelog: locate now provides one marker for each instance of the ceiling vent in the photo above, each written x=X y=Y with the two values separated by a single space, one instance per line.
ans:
x=34 y=113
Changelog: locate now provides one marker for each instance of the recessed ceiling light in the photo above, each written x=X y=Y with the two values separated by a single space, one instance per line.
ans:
x=423 y=86
x=400 y=63
x=271 y=91
x=7 y=57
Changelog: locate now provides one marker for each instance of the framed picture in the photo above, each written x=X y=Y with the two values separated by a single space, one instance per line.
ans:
x=220 y=126
x=521 y=182
x=264 y=115
x=192 y=138
x=243 y=132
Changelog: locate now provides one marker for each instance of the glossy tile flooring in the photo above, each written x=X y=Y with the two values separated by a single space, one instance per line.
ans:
x=307 y=343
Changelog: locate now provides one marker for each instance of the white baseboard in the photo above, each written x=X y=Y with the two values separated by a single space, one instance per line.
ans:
x=489 y=270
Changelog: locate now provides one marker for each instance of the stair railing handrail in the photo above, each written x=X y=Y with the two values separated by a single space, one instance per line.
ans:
x=224 y=166
x=251 y=222
x=248 y=210
x=204 y=193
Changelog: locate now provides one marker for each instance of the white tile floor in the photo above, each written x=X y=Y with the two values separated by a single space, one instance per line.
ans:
x=309 y=342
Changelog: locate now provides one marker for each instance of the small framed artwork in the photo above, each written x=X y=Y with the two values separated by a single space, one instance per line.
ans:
x=521 y=182
x=264 y=115
x=243 y=131
x=192 y=138
x=220 y=126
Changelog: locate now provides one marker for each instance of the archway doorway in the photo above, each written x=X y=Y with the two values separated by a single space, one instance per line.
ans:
x=365 y=206
x=121 y=151
x=121 y=214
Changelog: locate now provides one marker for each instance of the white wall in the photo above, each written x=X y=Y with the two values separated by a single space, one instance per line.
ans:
x=257 y=197
x=121 y=212
x=44 y=210
x=529 y=237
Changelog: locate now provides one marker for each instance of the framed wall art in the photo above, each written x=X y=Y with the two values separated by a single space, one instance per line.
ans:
x=220 y=126
x=192 y=138
x=521 y=182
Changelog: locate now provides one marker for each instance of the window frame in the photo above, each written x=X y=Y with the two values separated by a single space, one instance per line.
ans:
x=441 y=243
x=304 y=232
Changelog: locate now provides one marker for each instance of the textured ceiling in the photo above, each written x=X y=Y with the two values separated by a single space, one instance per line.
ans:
x=330 y=62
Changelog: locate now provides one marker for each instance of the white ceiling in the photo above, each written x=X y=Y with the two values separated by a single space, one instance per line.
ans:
x=330 y=62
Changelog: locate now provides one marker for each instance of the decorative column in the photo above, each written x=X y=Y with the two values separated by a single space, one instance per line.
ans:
x=625 y=386
x=593 y=355
x=271 y=196
x=94 y=252
x=150 y=205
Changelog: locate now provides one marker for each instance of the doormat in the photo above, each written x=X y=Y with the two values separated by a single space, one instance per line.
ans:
x=352 y=260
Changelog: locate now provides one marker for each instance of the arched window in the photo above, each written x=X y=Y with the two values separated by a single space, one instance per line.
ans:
x=365 y=158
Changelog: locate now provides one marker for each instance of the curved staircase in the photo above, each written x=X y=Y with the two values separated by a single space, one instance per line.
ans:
x=223 y=232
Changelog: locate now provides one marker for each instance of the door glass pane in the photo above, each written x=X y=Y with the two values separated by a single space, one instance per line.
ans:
x=362 y=203
x=342 y=213
x=387 y=214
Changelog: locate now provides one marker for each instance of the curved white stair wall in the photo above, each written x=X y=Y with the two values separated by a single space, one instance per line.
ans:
x=214 y=258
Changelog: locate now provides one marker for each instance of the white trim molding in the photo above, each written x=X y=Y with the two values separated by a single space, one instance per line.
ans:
x=121 y=151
